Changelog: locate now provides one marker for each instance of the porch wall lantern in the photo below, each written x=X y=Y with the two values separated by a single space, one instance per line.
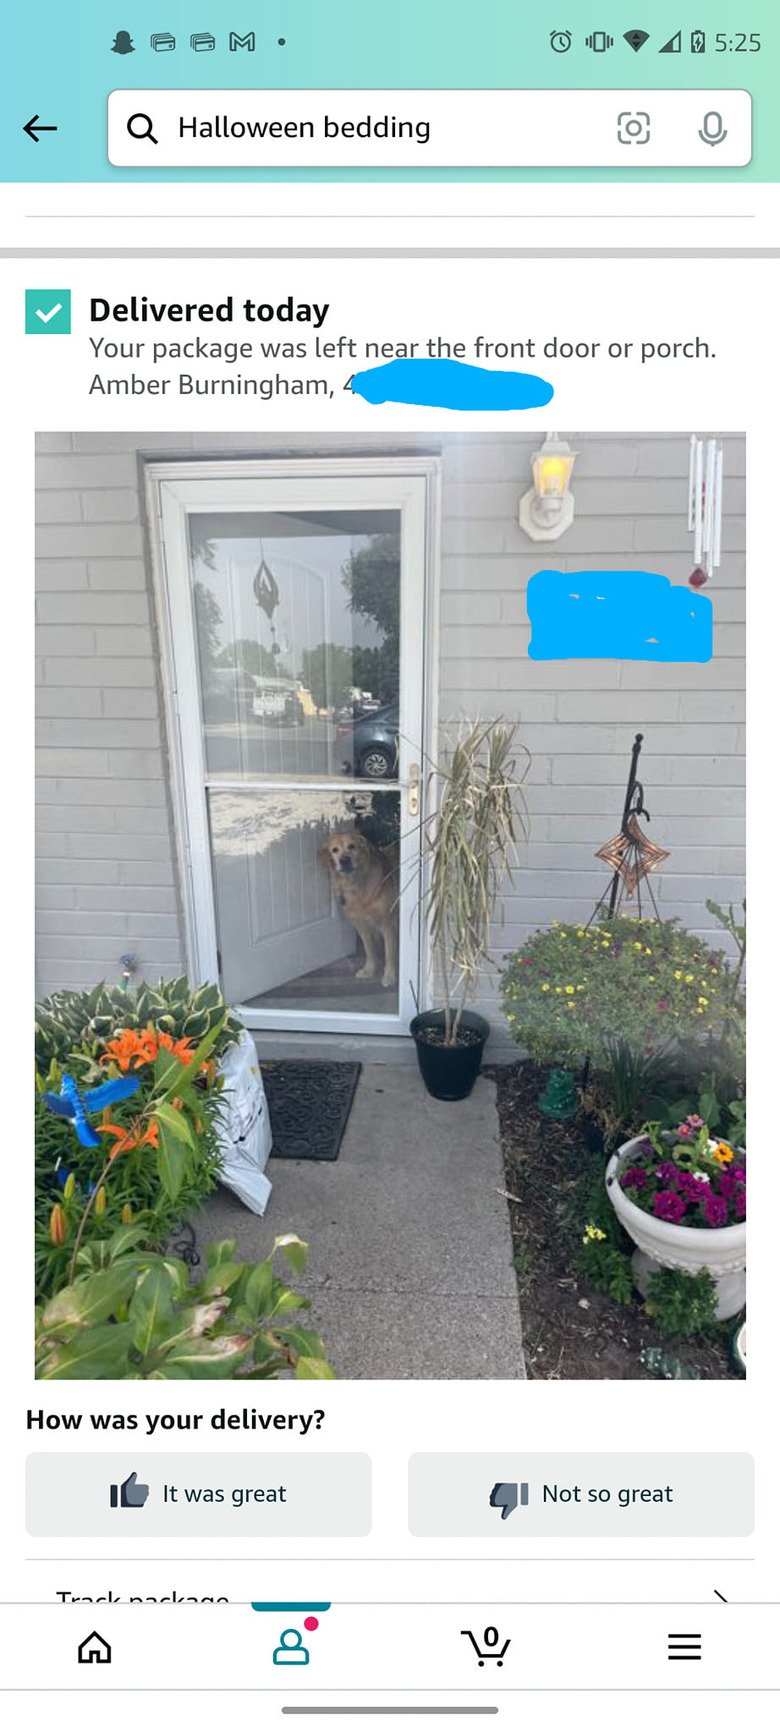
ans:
x=547 y=509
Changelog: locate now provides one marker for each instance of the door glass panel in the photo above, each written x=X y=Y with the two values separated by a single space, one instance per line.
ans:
x=297 y=620
x=306 y=886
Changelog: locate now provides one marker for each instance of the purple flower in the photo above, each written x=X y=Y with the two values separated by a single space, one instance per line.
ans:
x=669 y=1206
x=634 y=1178
x=694 y=1121
x=684 y=1130
x=716 y=1211
x=669 y=1174
x=696 y=1190
x=645 y=1146
x=740 y=1204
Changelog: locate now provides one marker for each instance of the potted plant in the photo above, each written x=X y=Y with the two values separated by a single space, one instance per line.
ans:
x=468 y=849
x=681 y=1197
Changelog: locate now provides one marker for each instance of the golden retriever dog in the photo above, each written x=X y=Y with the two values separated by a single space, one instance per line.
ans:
x=365 y=880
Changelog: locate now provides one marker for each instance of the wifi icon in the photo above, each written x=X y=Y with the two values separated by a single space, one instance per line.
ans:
x=636 y=39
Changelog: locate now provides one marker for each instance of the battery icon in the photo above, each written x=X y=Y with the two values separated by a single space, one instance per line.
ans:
x=698 y=42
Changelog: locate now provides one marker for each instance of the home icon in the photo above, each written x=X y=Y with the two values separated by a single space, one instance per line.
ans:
x=94 y=1650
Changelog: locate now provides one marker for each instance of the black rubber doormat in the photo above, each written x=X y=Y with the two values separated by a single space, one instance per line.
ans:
x=308 y=1105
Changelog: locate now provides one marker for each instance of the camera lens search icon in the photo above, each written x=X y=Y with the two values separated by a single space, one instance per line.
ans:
x=633 y=128
x=140 y=126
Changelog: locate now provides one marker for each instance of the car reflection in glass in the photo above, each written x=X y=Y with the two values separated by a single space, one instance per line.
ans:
x=370 y=743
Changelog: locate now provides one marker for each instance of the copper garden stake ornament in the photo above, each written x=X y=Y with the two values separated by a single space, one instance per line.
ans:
x=631 y=854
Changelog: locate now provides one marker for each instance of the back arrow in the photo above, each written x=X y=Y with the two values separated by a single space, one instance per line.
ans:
x=33 y=128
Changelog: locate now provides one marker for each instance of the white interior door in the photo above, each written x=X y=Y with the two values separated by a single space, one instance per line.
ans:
x=295 y=603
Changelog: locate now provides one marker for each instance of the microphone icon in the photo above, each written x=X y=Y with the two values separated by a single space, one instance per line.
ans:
x=713 y=131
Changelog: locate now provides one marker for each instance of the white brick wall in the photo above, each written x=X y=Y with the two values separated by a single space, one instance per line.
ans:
x=106 y=855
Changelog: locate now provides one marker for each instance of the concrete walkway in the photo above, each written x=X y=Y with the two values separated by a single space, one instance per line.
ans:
x=410 y=1263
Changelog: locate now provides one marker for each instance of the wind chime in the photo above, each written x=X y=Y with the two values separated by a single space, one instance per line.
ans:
x=631 y=854
x=705 y=507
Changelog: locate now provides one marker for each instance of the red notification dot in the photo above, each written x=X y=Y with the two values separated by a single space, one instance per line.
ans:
x=311 y=1623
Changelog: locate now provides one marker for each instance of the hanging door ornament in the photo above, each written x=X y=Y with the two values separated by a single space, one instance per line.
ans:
x=266 y=591
x=631 y=854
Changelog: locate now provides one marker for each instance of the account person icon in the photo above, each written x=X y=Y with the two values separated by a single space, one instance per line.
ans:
x=123 y=43
x=291 y=1653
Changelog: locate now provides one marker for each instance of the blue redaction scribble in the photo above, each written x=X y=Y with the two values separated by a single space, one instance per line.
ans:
x=637 y=616
x=444 y=384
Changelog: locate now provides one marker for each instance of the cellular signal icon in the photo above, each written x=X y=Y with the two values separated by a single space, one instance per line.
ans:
x=698 y=41
x=599 y=41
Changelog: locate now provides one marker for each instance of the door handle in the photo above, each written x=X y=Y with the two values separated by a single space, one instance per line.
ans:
x=413 y=791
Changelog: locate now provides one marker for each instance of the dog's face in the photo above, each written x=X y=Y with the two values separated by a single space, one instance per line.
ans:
x=347 y=853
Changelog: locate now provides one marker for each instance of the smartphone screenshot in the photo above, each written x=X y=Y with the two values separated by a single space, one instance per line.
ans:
x=387 y=451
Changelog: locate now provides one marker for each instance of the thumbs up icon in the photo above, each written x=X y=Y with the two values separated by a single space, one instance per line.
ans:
x=129 y=1495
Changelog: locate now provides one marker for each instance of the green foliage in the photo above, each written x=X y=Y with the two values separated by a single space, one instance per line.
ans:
x=133 y=1314
x=608 y=1268
x=370 y=578
x=469 y=844
x=632 y=1079
x=682 y=1304
x=158 y=1156
x=73 y=1028
x=571 y=992
x=327 y=672
x=737 y=931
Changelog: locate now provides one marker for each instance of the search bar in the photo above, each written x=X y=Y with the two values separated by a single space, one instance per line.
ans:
x=429 y=128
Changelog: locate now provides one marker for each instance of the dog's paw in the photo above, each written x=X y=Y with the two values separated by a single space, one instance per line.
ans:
x=365 y=973
x=389 y=980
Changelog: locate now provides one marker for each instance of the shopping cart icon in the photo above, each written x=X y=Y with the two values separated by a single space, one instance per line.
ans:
x=491 y=1649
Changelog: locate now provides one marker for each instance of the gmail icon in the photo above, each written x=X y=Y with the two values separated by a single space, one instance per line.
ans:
x=247 y=41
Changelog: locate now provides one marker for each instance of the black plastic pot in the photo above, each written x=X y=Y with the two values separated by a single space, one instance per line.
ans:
x=449 y=1072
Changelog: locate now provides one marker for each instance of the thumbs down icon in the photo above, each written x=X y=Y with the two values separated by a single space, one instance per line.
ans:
x=504 y=1496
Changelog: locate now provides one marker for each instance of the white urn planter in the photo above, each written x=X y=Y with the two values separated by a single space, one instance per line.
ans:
x=664 y=1245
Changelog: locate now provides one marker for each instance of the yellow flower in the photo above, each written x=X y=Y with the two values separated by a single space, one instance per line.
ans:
x=592 y=1233
x=723 y=1154
x=545 y=986
x=605 y=944
x=637 y=945
x=58 y=1226
x=678 y=974
x=703 y=1000
x=651 y=978
x=580 y=989
x=688 y=979
x=581 y=934
x=648 y=951
x=569 y=989
x=559 y=988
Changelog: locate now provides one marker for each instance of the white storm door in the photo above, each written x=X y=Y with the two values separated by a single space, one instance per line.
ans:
x=295 y=602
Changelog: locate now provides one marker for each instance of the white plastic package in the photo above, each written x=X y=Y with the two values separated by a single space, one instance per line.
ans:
x=245 y=1129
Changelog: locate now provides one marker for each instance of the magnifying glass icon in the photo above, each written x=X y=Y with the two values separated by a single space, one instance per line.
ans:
x=145 y=127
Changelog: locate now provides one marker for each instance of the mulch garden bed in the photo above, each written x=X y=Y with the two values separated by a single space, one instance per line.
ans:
x=570 y=1329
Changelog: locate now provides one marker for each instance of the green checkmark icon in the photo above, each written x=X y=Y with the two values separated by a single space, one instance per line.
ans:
x=47 y=312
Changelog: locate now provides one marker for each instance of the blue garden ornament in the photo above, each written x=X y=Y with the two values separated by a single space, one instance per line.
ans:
x=71 y=1104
